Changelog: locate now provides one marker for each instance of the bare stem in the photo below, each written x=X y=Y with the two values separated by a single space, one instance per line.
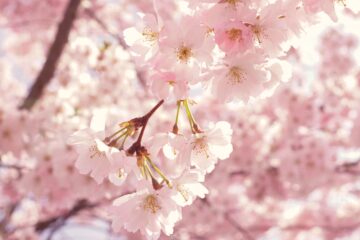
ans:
x=175 y=127
x=193 y=125
x=143 y=122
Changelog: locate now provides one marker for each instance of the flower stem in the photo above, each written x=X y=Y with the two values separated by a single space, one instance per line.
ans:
x=142 y=121
x=175 y=127
x=193 y=125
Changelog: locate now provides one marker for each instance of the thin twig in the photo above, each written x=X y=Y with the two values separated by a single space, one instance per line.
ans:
x=103 y=26
x=120 y=40
x=349 y=168
x=8 y=212
x=19 y=169
x=142 y=121
x=238 y=227
x=231 y=221
x=57 y=221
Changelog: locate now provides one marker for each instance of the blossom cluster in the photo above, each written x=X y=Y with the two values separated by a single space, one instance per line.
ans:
x=161 y=191
x=79 y=147
x=231 y=47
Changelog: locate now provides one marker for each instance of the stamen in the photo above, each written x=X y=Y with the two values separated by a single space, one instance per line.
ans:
x=258 y=32
x=184 y=53
x=234 y=34
x=232 y=3
x=171 y=82
x=151 y=204
x=200 y=146
x=95 y=152
x=150 y=35
x=236 y=76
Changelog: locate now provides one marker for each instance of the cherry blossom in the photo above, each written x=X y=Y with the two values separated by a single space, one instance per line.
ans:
x=115 y=116
x=147 y=211
x=175 y=82
x=240 y=78
x=144 y=39
x=209 y=146
x=90 y=145
x=234 y=37
x=323 y=5
x=188 y=186
x=184 y=42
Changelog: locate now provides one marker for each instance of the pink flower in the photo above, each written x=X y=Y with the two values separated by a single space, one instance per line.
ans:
x=211 y=145
x=188 y=186
x=94 y=156
x=147 y=211
x=241 y=77
x=184 y=42
x=233 y=37
x=269 y=29
x=121 y=166
x=314 y=6
x=176 y=81
x=143 y=39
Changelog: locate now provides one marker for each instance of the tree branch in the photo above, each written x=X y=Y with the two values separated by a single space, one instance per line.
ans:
x=58 y=221
x=139 y=73
x=53 y=56
x=245 y=233
x=142 y=121
x=351 y=168
x=103 y=26
x=4 y=222
x=238 y=227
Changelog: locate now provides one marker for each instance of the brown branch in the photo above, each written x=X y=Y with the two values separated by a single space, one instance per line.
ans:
x=57 y=221
x=239 y=173
x=8 y=212
x=53 y=56
x=19 y=169
x=238 y=227
x=12 y=166
x=351 y=168
x=142 y=122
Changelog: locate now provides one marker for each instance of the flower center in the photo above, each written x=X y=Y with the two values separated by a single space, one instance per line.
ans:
x=171 y=82
x=183 y=53
x=95 y=152
x=200 y=146
x=259 y=32
x=121 y=173
x=150 y=35
x=236 y=75
x=232 y=2
x=234 y=34
x=151 y=204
